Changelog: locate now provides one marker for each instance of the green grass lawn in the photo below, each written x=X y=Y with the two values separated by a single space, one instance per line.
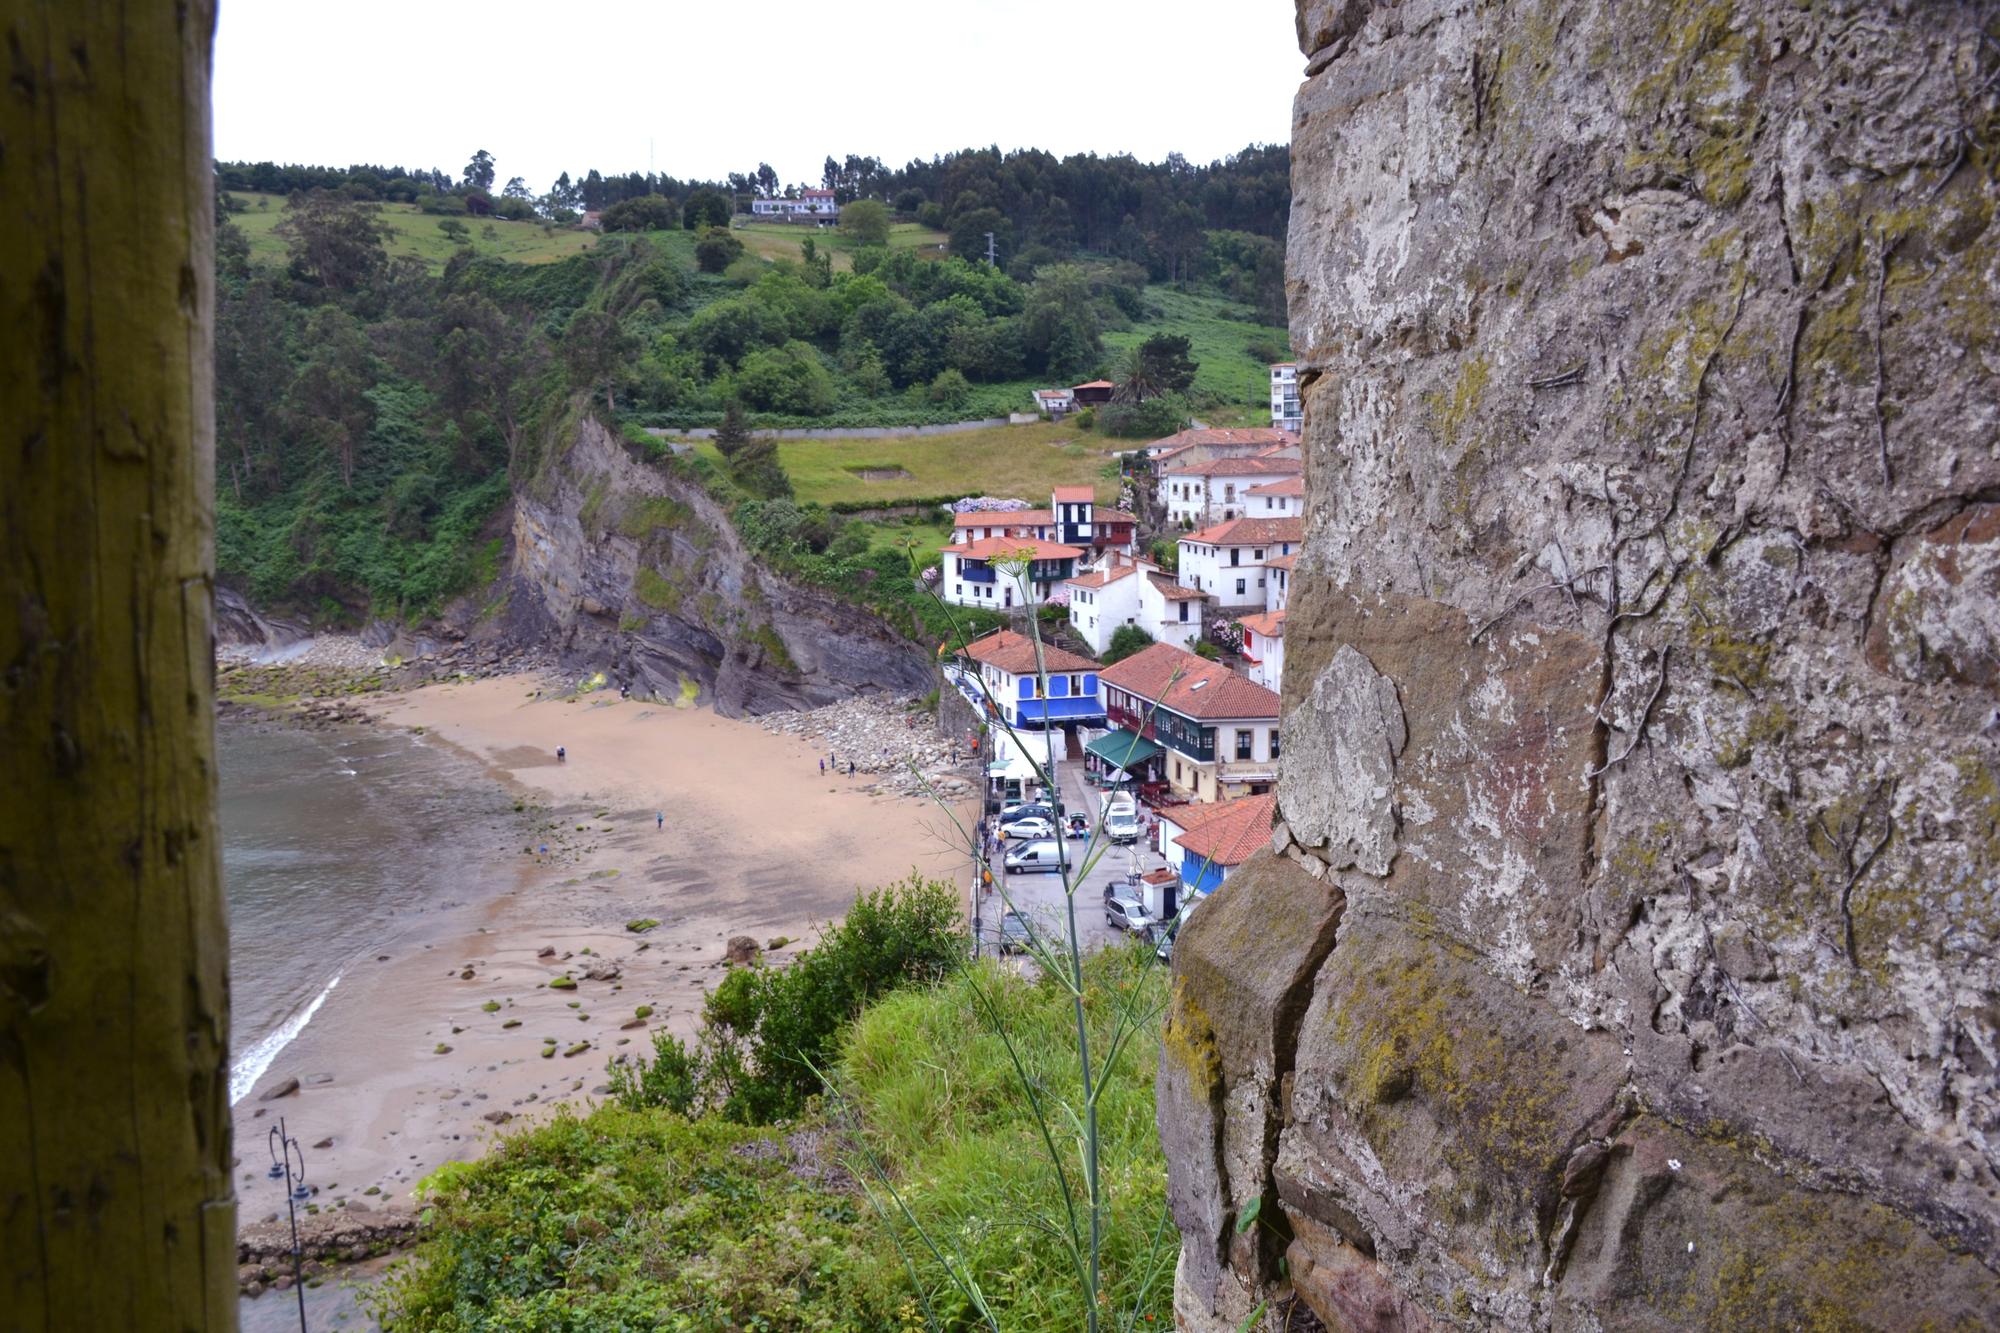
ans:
x=782 y=240
x=1220 y=334
x=1020 y=461
x=416 y=235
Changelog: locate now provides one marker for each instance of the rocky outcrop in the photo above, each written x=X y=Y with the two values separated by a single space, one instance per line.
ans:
x=621 y=565
x=1627 y=954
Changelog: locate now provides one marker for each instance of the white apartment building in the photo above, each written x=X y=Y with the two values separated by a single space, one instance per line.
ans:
x=1217 y=491
x=1227 y=561
x=1285 y=498
x=1127 y=592
x=1287 y=413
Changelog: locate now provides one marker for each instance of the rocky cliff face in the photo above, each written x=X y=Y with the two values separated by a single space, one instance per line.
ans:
x=1627 y=958
x=619 y=566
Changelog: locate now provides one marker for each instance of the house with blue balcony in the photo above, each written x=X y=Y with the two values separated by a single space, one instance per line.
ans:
x=1062 y=692
x=1005 y=573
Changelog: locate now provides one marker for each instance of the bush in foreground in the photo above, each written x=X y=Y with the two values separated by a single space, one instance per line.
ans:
x=646 y=1219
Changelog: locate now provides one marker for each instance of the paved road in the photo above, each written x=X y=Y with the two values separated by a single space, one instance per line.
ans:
x=1040 y=896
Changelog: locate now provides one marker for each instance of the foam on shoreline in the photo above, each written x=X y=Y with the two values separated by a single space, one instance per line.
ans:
x=243 y=1075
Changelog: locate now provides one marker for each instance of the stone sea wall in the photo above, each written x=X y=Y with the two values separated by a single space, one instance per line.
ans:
x=1629 y=952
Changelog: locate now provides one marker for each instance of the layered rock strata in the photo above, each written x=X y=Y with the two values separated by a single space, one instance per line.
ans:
x=1627 y=955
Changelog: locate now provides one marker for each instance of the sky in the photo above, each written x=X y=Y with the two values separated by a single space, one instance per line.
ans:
x=703 y=89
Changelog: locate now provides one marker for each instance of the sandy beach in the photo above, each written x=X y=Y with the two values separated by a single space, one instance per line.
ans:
x=417 y=1055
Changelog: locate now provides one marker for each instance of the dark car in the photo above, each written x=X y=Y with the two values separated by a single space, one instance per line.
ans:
x=1036 y=810
x=1014 y=936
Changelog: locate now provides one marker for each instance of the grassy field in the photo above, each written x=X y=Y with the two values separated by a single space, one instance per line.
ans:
x=1020 y=461
x=1220 y=336
x=416 y=235
x=780 y=240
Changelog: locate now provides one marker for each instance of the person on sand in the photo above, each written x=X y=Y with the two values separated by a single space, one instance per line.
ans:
x=562 y=754
x=822 y=768
x=850 y=768
x=659 y=819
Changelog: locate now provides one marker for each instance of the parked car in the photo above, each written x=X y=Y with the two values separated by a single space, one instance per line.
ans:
x=1037 y=810
x=1043 y=854
x=1124 y=912
x=1014 y=937
x=1121 y=824
x=1033 y=827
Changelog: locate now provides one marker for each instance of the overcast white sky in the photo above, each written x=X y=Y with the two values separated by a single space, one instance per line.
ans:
x=716 y=86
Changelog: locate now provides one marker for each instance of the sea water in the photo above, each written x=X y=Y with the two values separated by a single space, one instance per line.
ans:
x=336 y=845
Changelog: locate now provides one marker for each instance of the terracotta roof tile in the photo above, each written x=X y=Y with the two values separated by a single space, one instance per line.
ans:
x=1289 y=486
x=991 y=548
x=1015 y=654
x=1234 y=833
x=1075 y=495
x=1270 y=624
x=1240 y=467
x=1000 y=518
x=1241 y=435
x=1098 y=578
x=1250 y=532
x=1189 y=685
x=1174 y=592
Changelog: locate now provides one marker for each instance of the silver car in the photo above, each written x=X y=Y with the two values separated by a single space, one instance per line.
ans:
x=1123 y=912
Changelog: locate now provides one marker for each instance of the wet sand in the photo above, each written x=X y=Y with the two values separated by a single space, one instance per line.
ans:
x=756 y=842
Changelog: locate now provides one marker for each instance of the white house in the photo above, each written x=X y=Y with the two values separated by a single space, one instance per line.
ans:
x=810 y=206
x=1264 y=647
x=1218 y=490
x=981 y=524
x=1217 y=732
x=984 y=573
x=1204 y=843
x=1132 y=592
x=1287 y=413
x=1284 y=498
x=1202 y=444
x=1227 y=561
x=1055 y=402
x=1031 y=690
x=1278 y=581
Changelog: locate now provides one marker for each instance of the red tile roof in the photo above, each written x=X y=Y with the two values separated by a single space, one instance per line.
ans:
x=1250 y=532
x=1015 y=654
x=1074 y=495
x=1270 y=624
x=1280 y=365
x=1113 y=516
x=1098 y=384
x=1174 y=592
x=1098 y=578
x=992 y=548
x=1239 y=435
x=1284 y=562
x=1189 y=685
x=1234 y=833
x=1000 y=518
x=1289 y=486
x=1240 y=467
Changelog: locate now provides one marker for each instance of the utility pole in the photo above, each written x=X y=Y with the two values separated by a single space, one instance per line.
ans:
x=991 y=251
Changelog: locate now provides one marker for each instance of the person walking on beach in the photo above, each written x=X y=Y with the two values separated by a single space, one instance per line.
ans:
x=850 y=768
x=659 y=819
x=561 y=754
x=822 y=768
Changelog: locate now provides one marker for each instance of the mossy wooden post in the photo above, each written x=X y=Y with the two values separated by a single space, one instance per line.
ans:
x=115 y=1201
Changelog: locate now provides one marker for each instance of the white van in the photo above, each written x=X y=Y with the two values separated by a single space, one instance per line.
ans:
x=1042 y=854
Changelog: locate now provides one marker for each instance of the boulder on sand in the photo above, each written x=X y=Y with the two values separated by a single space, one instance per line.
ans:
x=740 y=951
x=283 y=1089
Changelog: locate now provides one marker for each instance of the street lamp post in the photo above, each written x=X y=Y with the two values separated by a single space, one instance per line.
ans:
x=284 y=1149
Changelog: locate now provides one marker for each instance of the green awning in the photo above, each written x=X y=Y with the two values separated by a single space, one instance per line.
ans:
x=1121 y=749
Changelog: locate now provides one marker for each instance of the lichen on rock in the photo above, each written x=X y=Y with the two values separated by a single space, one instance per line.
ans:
x=1641 y=679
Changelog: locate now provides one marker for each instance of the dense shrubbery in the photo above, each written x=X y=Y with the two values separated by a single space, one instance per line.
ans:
x=1125 y=640
x=648 y=1219
x=768 y=1034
